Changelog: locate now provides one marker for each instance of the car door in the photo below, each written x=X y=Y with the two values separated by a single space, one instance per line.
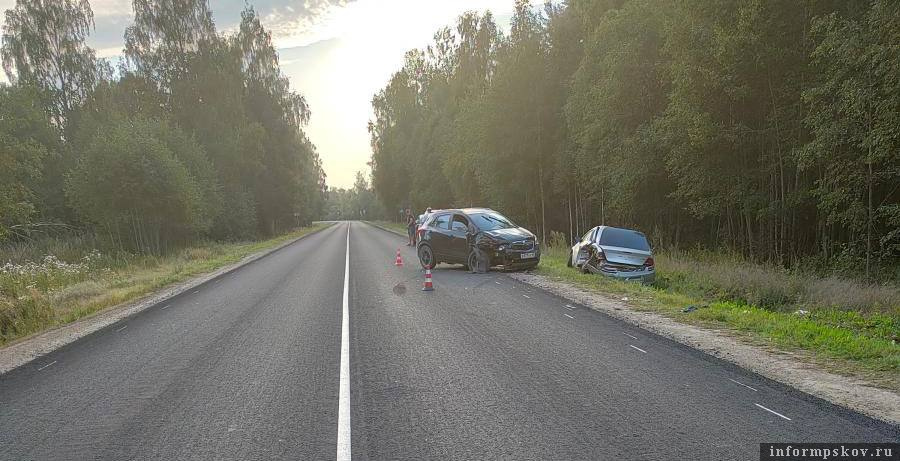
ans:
x=459 y=246
x=439 y=235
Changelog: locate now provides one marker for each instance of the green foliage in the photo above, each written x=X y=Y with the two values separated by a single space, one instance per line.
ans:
x=26 y=144
x=139 y=178
x=44 y=47
x=357 y=202
x=193 y=121
x=768 y=128
x=855 y=118
x=164 y=37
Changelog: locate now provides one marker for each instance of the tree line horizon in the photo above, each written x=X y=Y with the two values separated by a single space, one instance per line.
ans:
x=767 y=128
x=195 y=135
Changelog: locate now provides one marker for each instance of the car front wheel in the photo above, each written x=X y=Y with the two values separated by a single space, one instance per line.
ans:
x=426 y=257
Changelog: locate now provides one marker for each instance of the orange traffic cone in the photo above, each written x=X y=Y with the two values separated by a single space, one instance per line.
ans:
x=399 y=261
x=428 y=285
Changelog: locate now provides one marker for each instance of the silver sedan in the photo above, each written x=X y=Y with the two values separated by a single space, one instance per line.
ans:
x=614 y=252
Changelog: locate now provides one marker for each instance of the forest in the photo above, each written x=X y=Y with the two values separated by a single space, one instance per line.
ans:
x=192 y=134
x=770 y=129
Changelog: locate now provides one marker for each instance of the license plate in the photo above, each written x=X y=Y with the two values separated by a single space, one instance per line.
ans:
x=526 y=256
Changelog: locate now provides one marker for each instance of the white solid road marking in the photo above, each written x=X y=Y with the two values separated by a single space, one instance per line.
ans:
x=773 y=412
x=638 y=348
x=529 y=297
x=195 y=292
x=742 y=384
x=47 y=365
x=343 y=435
x=569 y=316
x=165 y=307
x=626 y=334
x=120 y=329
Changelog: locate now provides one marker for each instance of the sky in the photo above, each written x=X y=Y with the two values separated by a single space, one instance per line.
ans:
x=337 y=53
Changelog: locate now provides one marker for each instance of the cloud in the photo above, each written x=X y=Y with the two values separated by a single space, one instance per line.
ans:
x=284 y=18
x=288 y=18
x=105 y=8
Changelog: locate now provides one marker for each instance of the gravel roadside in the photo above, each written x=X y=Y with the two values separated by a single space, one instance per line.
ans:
x=778 y=366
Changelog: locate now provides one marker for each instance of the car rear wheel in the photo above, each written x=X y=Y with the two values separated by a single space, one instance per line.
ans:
x=426 y=257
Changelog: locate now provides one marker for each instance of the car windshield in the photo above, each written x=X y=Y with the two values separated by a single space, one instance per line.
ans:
x=624 y=238
x=491 y=221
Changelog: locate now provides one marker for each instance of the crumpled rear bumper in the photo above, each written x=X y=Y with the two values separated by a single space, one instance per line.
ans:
x=640 y=275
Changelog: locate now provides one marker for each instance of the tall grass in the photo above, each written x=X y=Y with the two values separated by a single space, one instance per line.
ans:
x=726 y=277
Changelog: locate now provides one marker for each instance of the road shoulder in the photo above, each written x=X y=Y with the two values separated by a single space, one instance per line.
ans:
x=778 y=366
x=25 y=350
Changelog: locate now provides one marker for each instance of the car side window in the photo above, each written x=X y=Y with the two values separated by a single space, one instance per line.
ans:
x=460 y=223
x=441 y=222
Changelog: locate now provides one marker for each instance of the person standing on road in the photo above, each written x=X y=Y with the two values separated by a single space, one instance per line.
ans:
x=410 y=228
x=481 y=258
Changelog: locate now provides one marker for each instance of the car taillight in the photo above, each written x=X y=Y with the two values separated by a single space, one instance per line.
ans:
x=648 y=262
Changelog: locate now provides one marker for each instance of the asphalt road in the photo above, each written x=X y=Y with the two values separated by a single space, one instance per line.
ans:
x=249 y=366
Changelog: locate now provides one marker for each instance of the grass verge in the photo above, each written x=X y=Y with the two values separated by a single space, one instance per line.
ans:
x=849 y=339
x=38 y=295
x=395 y=226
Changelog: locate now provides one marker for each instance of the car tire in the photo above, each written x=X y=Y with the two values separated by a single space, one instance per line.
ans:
x=471 y=263
x=426 y=257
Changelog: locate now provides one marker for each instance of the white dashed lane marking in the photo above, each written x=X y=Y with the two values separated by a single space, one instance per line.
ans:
x=773 y=412
x=637 y=348
x=120 y=329
x=626 y=334
x=569 y=316
x=742 y=384
x=47 y=365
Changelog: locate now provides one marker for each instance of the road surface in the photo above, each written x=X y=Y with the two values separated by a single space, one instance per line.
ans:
x=250 y=366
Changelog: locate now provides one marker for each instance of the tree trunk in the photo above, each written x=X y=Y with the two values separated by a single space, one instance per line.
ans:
x=869 y=217
x=543 y=208
x=569 y=206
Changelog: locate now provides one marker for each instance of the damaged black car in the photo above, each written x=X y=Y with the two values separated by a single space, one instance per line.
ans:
x=447 y=236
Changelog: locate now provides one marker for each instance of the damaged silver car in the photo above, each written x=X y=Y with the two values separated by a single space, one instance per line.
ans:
x=614 y=252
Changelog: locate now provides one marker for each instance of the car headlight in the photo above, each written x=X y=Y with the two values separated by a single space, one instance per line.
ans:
x=501 y=248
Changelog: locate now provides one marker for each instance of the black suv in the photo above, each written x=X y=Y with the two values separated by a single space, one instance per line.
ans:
x=445 y=236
